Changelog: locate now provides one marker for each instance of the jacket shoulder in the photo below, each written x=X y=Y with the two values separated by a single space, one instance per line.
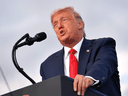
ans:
x=53 y=56
x=103 y=41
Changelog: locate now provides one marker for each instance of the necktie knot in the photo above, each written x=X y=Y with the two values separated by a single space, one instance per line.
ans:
x=72 y=51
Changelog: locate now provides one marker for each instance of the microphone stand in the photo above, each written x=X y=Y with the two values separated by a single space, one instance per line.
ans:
x=15 y=47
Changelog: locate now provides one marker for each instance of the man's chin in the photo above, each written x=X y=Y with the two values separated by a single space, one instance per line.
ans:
x=68 y=41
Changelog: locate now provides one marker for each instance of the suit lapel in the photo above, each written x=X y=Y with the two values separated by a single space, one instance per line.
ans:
x=83 y=58
x=60 y=59
x=84 y=54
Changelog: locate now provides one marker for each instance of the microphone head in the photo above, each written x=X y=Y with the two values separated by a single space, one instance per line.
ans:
x=40 y=36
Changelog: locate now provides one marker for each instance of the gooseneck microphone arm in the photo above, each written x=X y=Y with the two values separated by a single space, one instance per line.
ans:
x=29 y=41
x=15 y=47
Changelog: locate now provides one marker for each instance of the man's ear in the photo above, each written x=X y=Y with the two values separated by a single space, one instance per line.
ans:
x=80 y=25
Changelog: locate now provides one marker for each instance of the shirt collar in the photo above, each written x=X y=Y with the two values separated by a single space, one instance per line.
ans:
x=76 y=47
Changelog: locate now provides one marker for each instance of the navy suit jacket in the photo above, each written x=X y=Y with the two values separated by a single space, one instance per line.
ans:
x=100 y=63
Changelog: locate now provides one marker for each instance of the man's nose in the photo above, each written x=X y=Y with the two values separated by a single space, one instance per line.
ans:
x=60 y=25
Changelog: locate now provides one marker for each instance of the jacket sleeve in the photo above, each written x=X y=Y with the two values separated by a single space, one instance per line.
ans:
x=41 y=72
x=103 y=59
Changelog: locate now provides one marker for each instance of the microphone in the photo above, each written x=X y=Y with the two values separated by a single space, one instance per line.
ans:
x=38 y=37
x=29 y=40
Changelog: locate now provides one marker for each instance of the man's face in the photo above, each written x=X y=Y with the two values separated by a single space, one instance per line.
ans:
x=66 y=28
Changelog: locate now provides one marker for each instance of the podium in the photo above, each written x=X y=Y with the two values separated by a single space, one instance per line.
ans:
x=56 y=86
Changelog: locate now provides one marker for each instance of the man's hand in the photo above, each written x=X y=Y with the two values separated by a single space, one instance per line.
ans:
x=83 y=83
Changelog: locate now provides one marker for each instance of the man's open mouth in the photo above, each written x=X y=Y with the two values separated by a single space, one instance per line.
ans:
x=62 y=32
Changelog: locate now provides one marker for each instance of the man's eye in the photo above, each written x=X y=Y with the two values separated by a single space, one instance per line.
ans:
x=55 y=25
x=65 y=20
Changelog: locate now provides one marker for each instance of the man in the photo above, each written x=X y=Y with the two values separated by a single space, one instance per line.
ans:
x=95 y=61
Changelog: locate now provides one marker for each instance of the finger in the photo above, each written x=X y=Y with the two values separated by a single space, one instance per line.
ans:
x=91 y=82
x=80 y=86
x=83 y=86
x=87 y=83
x=76 y=80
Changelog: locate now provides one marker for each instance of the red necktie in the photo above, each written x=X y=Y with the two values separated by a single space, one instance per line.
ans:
x=73 y=64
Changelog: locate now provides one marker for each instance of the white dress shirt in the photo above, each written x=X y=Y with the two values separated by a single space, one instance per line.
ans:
x=66 y=59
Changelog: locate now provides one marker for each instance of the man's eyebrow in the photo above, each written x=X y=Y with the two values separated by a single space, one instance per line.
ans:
x=55 y=22
x=63 y=17
x=60 y=19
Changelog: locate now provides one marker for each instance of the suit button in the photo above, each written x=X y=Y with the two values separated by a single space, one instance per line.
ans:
x=103 y=78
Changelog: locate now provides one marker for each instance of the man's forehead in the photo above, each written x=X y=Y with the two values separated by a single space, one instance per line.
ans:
x=63 y=14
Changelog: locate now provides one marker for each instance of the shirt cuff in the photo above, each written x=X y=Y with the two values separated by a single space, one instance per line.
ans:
x=95 y=81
